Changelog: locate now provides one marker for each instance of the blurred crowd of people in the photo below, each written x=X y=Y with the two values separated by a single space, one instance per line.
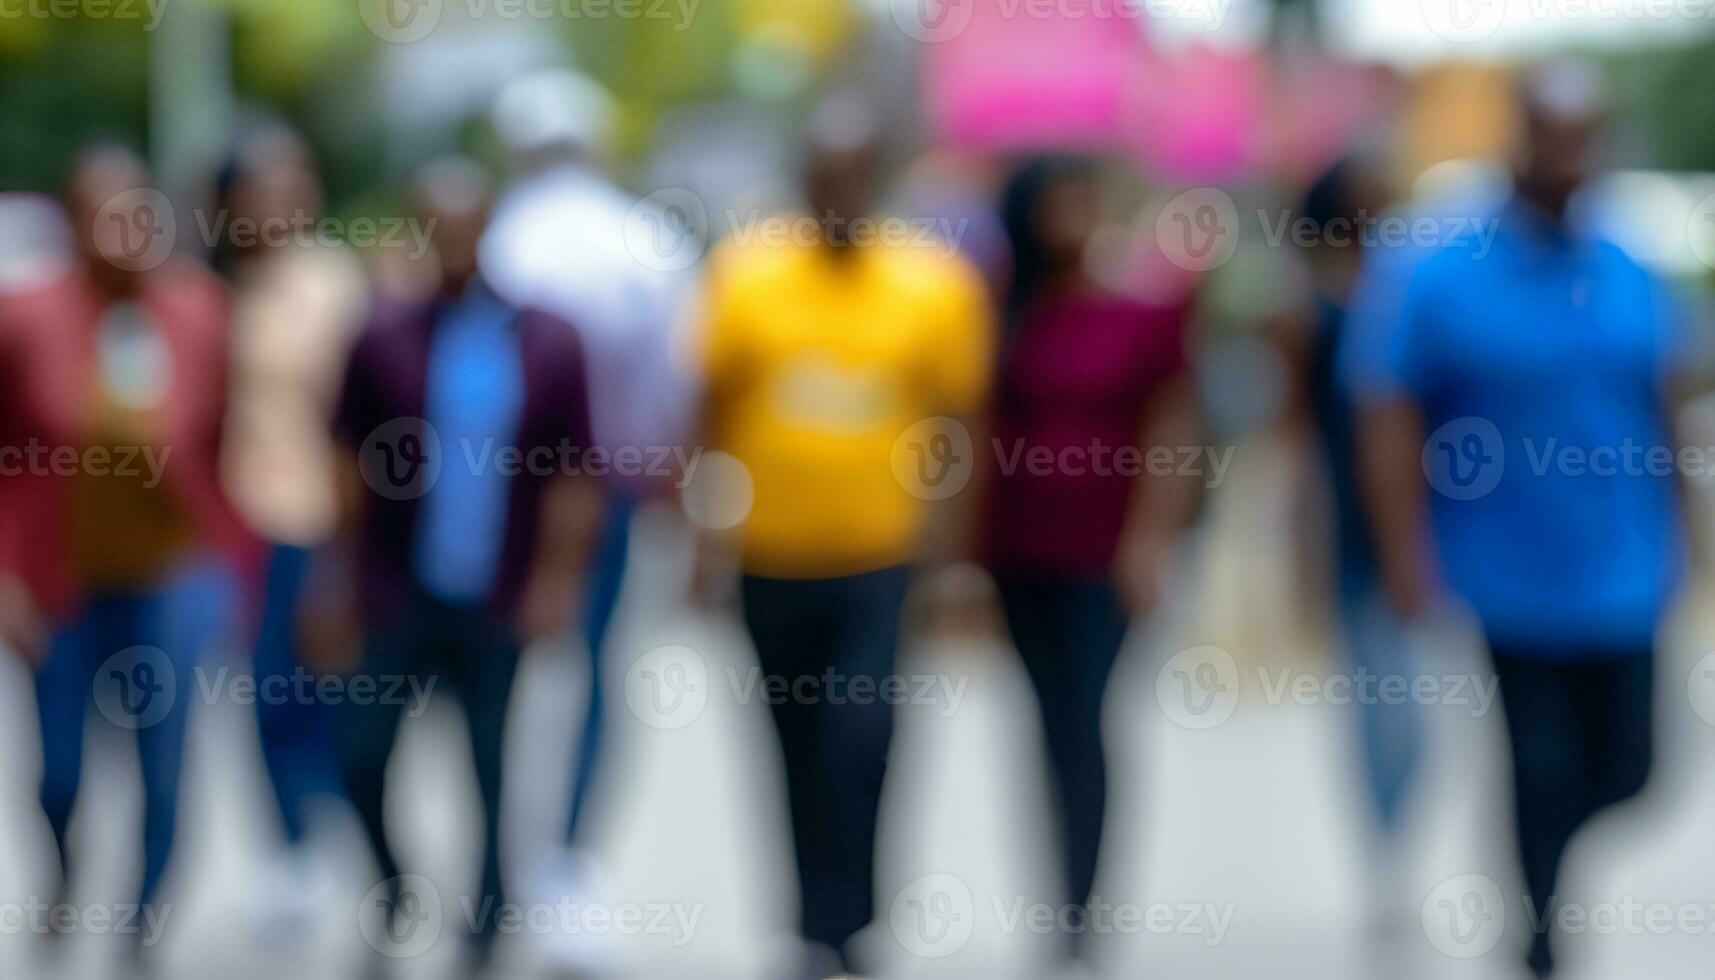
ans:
x=360 y=454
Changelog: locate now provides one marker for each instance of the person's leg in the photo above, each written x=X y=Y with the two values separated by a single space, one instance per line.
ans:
x=162 y=622
x=790 y=632
x=854 y=733
x=63 y=684
x=1069 y=636
x=1549 y=782
x=1617 y=698
x=296 y=733
x=365 y=733
x=1375 y=644
x=484 y=664
x=606 y=583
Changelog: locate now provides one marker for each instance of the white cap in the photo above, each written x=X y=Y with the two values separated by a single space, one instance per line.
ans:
x=556 y=108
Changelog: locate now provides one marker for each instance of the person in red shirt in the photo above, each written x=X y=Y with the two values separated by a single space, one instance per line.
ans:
x=1077 y=545
x=111 y=401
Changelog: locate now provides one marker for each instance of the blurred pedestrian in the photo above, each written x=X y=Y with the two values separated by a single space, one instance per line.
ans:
x=1095 y=380
x=825 y=346
x=558 y=243
x=1502 y=350
x=463 y=416
x=112 y=414
x=297 y=305
x=1343 y=206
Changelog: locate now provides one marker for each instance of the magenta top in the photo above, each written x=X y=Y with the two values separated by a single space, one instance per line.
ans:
x=1075 y=377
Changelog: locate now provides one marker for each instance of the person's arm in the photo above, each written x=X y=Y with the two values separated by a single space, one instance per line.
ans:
x=1384 y=361
x=1682 y=352
x=709 y=347
x=1162 y=506
x=572 y=504
x=21 y=627
x=328 y=619
x=963 y=367
x=571 y=511
x=1391 y=486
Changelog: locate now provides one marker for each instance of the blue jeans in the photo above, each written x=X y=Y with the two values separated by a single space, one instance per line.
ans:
x=1068 y=633
x=1375 y=643
x=132 y=654
x=835 y=753
x=296 y=733
x=606 y=581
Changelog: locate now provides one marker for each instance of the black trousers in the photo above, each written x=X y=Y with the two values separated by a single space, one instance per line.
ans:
x=1583 y=736
x=467 y=653
x=1068 y=633
x=835 y=747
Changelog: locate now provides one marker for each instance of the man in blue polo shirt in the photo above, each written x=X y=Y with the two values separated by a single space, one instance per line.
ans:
x=1528 y=378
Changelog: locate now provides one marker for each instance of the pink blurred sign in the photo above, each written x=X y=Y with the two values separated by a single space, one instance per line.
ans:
x=1025 y=75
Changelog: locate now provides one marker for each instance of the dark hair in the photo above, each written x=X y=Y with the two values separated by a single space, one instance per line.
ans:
x=1020 y=204
x=260 y=141
x=1329 y=196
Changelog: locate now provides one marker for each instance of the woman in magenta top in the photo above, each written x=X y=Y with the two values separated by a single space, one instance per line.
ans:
x=1093 y=406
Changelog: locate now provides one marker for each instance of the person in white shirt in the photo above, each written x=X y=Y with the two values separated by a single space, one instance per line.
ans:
x=558 y=242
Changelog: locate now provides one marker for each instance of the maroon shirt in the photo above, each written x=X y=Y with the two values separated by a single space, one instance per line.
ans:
x=386 y=380
x=1074 y=381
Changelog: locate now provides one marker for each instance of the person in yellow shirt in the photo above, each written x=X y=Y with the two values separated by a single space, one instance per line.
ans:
x=839 y=353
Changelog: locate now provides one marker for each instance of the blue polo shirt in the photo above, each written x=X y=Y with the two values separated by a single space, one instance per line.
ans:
x=1541 y=362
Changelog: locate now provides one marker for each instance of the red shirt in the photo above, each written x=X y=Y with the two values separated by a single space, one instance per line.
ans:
x=49 y=403
x=1074 y=381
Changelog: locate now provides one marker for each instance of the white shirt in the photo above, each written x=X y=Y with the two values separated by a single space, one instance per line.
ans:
x=557 y=243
